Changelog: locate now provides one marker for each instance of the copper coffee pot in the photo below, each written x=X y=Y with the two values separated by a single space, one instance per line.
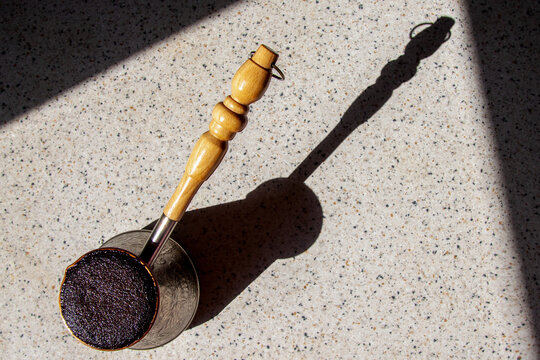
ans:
x=140 y=290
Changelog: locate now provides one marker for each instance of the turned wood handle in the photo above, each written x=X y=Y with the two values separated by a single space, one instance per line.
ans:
x=228 y=118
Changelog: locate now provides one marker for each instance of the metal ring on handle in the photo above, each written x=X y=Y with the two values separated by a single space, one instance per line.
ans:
x=274 y=66
x=281 y=75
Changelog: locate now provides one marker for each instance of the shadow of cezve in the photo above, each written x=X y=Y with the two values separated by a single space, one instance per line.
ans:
x=233 y=243
x=47 y=47
x=507 y=39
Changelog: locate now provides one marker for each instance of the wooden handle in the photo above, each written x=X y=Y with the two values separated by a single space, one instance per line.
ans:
x=228 y=118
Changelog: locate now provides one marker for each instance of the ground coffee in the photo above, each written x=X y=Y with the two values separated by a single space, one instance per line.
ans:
x=108 y=299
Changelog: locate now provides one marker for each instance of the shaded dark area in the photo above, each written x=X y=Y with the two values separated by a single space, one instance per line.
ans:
x=232 y=244
x=507 y=37
x=47 y=47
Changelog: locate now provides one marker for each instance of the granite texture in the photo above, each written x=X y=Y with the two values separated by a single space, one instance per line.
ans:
x=381 y=203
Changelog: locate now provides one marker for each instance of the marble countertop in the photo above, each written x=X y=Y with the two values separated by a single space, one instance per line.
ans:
x=381 y=203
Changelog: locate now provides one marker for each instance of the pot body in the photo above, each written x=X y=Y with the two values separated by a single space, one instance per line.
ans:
x=177 y=282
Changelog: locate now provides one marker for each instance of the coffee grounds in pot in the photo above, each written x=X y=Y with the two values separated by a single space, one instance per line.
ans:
x=108 y=299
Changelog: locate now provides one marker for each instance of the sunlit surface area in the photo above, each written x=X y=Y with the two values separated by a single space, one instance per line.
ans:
x=368 y=210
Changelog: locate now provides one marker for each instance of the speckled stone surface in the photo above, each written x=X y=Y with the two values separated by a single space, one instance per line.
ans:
x=410 y=232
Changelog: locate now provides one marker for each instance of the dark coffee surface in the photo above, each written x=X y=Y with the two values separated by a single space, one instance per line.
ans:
x=108 y=299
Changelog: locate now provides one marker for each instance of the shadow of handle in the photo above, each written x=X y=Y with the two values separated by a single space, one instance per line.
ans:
x=371 y=100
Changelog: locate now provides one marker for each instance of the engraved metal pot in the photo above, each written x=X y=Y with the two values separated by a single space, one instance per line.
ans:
x=177 y=282
x=171 y=268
